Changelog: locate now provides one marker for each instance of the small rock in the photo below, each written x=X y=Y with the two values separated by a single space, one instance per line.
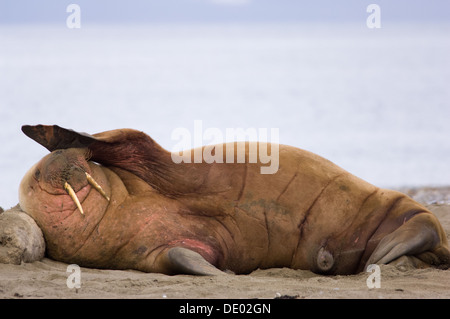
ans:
x=21 y=240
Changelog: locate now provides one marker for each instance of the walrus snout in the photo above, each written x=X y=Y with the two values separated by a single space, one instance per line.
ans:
x=65 y=172
x=61 y=167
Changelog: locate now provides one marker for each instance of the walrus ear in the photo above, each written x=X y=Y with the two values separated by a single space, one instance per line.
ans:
x=53 y=137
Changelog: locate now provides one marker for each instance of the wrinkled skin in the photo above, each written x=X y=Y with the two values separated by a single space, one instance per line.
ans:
x=200 y=218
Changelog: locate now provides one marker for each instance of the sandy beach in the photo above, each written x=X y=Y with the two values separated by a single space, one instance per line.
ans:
x=48 y=278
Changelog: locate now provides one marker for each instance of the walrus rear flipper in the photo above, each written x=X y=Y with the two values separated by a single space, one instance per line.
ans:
x=185 y=261
x=421 y=237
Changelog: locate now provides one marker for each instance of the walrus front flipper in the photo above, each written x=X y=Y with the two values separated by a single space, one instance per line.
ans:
x=186 y=261
x=54 y=137
x=421 y=236
x=127 y=149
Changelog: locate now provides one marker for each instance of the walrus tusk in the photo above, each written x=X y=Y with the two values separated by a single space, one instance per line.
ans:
x=94 y=184
x=74 y=197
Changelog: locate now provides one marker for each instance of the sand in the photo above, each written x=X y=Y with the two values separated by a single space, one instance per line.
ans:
x=48 y=278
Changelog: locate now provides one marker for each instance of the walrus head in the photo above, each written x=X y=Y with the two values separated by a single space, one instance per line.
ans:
x=121 y=174
x=70 y=171
x=58 y=182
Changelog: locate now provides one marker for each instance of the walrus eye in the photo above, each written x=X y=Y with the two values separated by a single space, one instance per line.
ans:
x=37 y=174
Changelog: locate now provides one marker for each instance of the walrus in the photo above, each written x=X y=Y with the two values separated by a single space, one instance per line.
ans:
x=117 y=200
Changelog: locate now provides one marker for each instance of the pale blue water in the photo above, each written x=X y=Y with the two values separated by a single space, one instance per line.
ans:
x=376 y=102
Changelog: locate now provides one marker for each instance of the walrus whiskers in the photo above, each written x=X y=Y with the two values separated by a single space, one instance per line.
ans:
x=94 y=184
x=72 y=195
